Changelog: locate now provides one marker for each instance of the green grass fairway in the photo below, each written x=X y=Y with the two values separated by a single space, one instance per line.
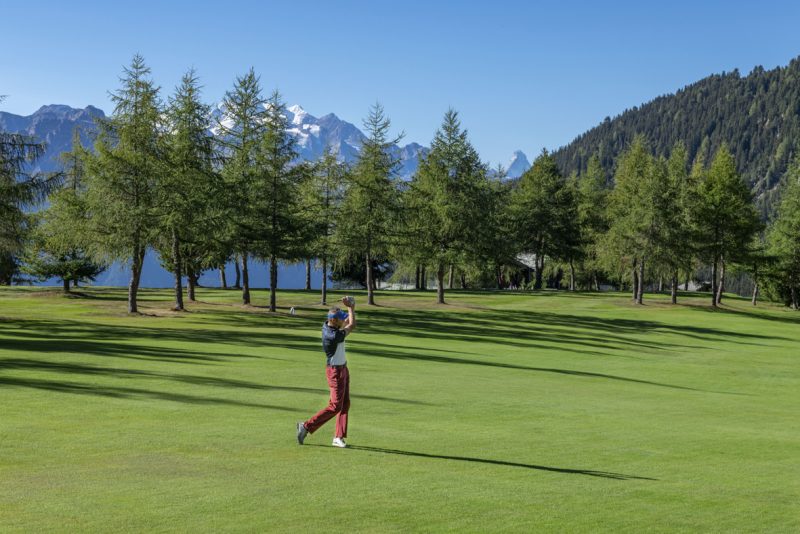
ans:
x=497 y=412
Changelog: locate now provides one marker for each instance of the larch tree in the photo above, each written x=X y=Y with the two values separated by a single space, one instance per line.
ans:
x=240 y=132
x=189 y=191
x=19 y=189
x=538 y=213
x=323 y=191
x=278 y=212
x=60 y=242
x=124 y=172
x=631 y=213
x=445 y=200
x=725 y=217
x=368 y=219
x=783 y=241
x=592 y=218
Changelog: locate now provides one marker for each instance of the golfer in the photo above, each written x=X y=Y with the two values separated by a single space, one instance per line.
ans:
x=339 y=324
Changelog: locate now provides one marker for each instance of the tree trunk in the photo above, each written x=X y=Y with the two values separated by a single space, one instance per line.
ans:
x=463 y=281
x=640 y=293
x=223 y=281
x=451 y=277
x=136 y=274
x=238 y=282
x=714 y=283
x=571 y=276
x=721 y=286
x=596 y=281
x=273 y=283
x=308 y=275
x=635 y=279
x=65 y=282
x=324 y=280
x=75 y=282
x=539 y=268
x=416 y=278
x=755 y=293
x=674 y=287
x=794 y=298
x=440 y=284
x=423 y=279
x=370 y=290
x=686 y=284
x=245 y=281
x=176 y=259
x=660 y=284
x=191 y=283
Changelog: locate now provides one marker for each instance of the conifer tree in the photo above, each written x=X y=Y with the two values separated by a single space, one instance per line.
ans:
x=323 y=192
x=368 y=220
x=18 y=190
x=784 y=241
x=539 y=209
x=190 y=190
x=445 y=200
x=124 y=172
x=278 y=214
x=60 y=242
x=592 y=218
x=631 y=213
x=240 y=133
x=726 y=219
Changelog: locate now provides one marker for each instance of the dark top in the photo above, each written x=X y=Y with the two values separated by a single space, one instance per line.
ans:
x=331 y=337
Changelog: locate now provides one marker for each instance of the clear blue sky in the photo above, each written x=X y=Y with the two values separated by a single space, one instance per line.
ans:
x=523 y=75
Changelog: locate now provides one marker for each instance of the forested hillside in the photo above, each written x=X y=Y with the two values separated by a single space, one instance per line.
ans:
x=757 y=115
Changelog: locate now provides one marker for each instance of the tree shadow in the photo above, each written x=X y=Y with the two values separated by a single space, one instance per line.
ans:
x=48 y=336
x=131 y=393
x=536 y=467
x=195 y=380
x=380 y=351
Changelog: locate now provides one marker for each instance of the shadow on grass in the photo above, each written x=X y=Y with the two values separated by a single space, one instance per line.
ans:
x=380 y=351
x=208 y=381
x=59 y=336
x=565 y=470
x=130 y=393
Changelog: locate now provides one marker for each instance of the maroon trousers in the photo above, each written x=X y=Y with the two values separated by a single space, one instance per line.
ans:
x=339 y=404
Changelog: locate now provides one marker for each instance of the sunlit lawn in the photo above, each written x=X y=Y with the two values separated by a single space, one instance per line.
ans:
x=497 y=412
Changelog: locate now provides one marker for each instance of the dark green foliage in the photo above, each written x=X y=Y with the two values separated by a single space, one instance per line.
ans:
x=725 y=218
x=239 y=139
x=757 y=116
x=188 y=194
x=277 y=210
x=18 y=190
x=784 y=242
x=543 y=214
x=446 y=201
x=368 y=221
x=124 y=172
x=322 y=193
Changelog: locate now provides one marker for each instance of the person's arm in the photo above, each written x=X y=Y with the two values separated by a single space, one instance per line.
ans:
x=350 y=324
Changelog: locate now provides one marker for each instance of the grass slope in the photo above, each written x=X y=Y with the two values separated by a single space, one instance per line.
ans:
x=496 y=412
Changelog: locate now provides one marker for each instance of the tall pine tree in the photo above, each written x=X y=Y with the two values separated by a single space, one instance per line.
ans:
x=124 y=172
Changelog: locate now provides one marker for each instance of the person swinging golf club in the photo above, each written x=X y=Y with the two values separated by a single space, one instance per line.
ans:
x=338 y=326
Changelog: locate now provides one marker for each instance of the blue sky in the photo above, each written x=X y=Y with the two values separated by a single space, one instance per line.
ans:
x=523 y=75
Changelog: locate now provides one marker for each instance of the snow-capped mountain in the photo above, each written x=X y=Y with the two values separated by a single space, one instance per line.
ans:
x=518 y=165
x=316 y=135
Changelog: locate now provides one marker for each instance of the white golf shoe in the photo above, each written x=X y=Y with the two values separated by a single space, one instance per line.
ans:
x=339 y=442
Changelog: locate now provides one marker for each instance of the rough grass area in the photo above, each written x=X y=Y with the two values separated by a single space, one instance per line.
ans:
x=496 y=412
